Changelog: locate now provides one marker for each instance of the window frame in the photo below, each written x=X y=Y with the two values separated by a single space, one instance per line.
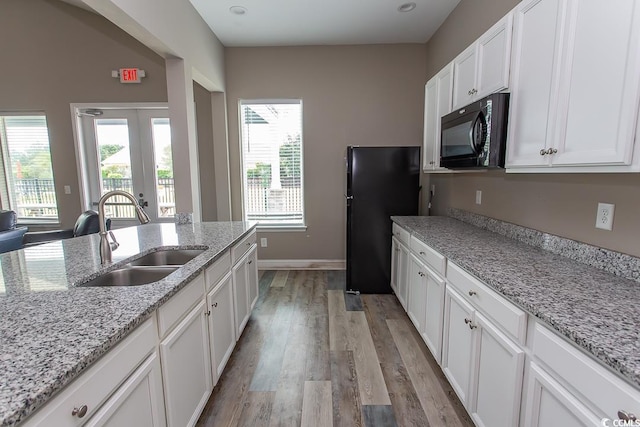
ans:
x=302 y=225
x=9 y=204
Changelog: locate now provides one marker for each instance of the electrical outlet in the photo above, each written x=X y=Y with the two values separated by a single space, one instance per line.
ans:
x=263 y=242
x=433 y=190
x=604 y=217
x=478 y=197
x=67 y=189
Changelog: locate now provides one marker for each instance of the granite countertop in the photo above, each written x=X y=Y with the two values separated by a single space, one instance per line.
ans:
x=51 y=330
x=590 y=307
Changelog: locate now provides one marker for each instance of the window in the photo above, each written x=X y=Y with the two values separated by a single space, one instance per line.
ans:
x=272 y=178
x=27 y=183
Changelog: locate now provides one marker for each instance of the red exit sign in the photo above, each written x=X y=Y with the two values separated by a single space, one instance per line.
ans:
x=130 y=75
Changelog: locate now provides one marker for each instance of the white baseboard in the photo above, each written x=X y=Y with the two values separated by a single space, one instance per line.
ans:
x=301 y=264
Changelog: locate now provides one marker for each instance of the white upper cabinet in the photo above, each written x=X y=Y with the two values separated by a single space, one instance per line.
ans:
x=536 y=32
x=437 y=103
x=575 y=85
x=483 y=68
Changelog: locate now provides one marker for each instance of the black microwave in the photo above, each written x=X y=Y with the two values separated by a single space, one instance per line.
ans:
x=475 y=136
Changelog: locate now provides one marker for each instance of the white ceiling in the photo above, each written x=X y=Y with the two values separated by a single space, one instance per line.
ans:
x=323 y=22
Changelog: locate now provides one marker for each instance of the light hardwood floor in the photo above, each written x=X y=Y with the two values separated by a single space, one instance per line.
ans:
x=311 y=355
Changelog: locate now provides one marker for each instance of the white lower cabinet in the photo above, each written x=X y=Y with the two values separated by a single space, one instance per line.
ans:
x=252 y=277
x=425 y=305
x=403 y=275
x=457 y=345
x=245 y=288
x=497 y=376
x=548 y=403
x=138 y=402
x=186 y=368
x=222 y=331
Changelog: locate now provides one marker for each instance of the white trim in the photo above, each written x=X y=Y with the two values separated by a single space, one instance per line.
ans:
x=301 y=264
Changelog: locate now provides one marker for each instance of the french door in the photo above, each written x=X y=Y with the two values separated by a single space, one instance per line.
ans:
x=130 y=150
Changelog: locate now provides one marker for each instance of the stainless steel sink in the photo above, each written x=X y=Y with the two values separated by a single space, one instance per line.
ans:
x=168 y=257
x=132 y=276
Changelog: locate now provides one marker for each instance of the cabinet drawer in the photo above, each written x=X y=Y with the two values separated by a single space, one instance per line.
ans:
x=605 y=392
x=400 y=234
x=97 y=383
x=509 y=317
x=217 y=270
x=242 y=247
x=178 y=306
x=433 y=259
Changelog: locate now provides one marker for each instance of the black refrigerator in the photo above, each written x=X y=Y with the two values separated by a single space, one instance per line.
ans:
x=381 y=182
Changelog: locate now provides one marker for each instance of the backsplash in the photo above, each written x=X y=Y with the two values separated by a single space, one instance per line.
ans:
x=616 y=263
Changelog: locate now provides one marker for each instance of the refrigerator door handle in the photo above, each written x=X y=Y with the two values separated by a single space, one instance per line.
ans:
x=348 y=197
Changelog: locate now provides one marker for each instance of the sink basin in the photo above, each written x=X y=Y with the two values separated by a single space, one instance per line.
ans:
x=168 y=257
x=131 y=276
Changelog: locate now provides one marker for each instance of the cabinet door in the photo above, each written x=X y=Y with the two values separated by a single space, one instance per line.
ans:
x=438 y=93
x=394 y=264
x=430 y=123
x=186 y=368
x=600 y=82
x=403 y=275
x=549 y=404
x=138 y=402
x=222 y=331
x=497 y=379
x=494 y=55
x=432 y=330
x=417 y=302
x=464 y=77
x=240 y=295
x=457 y=346
x=535 y=58
x=252 y=277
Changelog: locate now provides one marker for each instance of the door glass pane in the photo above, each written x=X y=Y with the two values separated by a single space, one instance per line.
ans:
x=165 y=190
x=112 y=139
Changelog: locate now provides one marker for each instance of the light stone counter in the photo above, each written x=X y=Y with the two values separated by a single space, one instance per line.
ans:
x=595 y=309
x=51 y=330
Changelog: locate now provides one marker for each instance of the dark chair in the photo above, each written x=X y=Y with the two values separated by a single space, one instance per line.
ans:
x=10 y=234
x=87 y=223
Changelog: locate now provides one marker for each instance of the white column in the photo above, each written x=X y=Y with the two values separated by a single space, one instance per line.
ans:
x=183 y=137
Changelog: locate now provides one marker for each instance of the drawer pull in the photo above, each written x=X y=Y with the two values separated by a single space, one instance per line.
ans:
x=422 y=253
x=472 y=326
x=420 y=273
x=626 y=416
x=82 y=411
x=248 y=243
x=467 y=320
x=207 y=313
x=250 y=261
x=214 y=305
x=472 y=293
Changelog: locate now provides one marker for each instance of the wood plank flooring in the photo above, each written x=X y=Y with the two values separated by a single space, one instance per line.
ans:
x=312 y=355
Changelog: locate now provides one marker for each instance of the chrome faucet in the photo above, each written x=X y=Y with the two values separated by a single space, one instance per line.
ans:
x=107 y=247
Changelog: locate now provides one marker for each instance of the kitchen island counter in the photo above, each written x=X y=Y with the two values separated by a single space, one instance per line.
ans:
x=52 y=329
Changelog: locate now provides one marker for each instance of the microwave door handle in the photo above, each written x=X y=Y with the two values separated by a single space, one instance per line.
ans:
x=472 y=133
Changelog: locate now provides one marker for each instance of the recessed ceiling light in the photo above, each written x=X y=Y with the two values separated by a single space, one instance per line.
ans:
x=406 y=7
x=239 y=10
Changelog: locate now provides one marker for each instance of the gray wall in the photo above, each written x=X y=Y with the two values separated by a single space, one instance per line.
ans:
x=561 y=204
x=54 y=54
x=360 y=95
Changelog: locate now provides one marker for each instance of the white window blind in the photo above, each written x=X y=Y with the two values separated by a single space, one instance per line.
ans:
x=272 y=173
x=28 y=186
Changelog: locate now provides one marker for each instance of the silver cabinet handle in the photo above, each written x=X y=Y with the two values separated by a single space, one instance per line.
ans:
x=420 y=273
x=467 y=320
x=472 y=293
x=469 y=92
x=422 y=253
x=207 y=313
x=431 y=162
x=472 y=326
x=250 y=261
x=543 y=152
x=214 y=305
x=554 y=151
x=626 y=416
x=79 y=412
